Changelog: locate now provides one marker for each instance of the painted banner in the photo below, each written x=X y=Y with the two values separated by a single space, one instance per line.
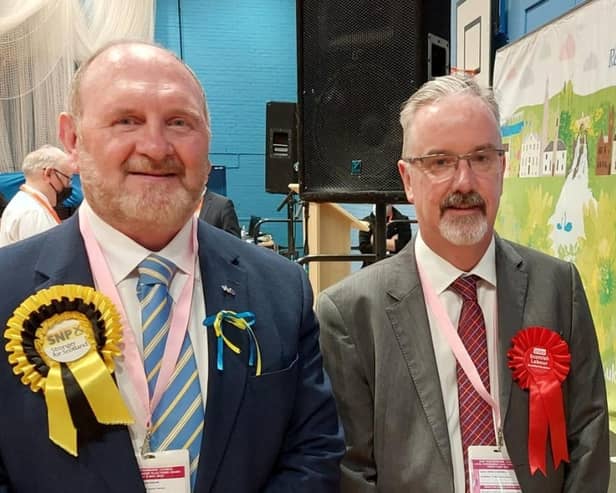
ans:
x=557 y=93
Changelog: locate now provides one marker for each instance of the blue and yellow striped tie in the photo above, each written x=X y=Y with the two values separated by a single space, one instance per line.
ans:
x=177 y=421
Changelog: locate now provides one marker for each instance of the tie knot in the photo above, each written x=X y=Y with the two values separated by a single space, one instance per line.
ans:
x=466 y=287
x=156 y=270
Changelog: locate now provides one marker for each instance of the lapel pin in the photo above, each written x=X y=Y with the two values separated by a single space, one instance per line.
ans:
x=228 y=290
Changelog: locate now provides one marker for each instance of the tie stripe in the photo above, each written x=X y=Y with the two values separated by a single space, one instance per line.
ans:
x=148 y=298
x=178 y=431
x=157 y=337
x=155 y=313
x=155 y=273
x=177 y=421
x=476 y=419
x=153 y=371
x=172 y=405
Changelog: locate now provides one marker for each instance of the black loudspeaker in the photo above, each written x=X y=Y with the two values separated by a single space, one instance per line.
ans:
x=358 y=61
x=280 y=146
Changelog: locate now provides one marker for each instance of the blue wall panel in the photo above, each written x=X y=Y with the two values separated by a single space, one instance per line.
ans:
x=167 y=25
x=244 y=52
x=527 y=15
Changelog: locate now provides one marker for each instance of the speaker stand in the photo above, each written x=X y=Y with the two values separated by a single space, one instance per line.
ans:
x=379 y=234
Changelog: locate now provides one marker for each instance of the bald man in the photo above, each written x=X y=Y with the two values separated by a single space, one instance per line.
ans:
x=238 y=403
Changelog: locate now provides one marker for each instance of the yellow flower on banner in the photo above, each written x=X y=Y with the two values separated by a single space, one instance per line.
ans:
x=62 y=341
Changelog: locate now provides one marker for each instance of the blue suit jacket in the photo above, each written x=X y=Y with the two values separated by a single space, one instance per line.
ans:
x=278 y=432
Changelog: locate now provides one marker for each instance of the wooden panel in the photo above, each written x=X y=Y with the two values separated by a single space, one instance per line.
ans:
x=329 y=231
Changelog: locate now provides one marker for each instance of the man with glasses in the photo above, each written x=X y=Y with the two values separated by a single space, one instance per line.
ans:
x=464 y=349
x=32 y=210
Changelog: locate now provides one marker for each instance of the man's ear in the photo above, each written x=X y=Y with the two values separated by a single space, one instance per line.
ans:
x=68 y=136
x=404 y=169
x=47 y=173
x=208 y=169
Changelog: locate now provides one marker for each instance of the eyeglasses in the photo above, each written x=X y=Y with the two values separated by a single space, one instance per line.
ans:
x=58 y=172
x=443 y=166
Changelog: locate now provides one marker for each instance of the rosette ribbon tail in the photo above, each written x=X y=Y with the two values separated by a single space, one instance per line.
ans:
x=546 y=414
x=556 y=419
x=537 y=431
x=62 y=431
x=100 y=390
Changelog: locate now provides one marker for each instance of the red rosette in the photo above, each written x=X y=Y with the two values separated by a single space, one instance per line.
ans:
x=540 y=360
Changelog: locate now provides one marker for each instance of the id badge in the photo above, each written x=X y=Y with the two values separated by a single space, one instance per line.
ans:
x=166 y=472
x=491 y=471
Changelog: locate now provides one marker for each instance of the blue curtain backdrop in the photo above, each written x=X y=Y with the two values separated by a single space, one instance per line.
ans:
x=10 y=183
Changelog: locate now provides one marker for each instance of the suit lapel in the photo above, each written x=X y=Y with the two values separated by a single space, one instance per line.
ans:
x=69 y=263
x=409 y=321
x=111 y=456
x=512 y=285
x=225 y=289
x=207 y=202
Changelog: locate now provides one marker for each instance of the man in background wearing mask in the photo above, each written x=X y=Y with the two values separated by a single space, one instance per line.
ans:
x=48 y=176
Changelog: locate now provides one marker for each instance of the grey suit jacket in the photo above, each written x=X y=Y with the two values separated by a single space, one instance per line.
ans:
x=219 y=211
x=378 y=352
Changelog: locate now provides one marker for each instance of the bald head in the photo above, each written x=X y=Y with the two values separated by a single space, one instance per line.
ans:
x=119 y=55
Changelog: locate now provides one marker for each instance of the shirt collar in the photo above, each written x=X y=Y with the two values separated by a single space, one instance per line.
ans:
x=441 y=273
x=123 y=254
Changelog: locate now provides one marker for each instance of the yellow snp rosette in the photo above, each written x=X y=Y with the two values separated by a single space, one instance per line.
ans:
x=62 y=341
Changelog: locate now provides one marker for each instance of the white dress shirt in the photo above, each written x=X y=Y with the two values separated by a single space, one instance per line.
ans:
x=441 y=274
x=123 y=255
x=24 y=216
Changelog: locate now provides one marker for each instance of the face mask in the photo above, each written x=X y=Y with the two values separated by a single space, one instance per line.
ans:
x=63 y=194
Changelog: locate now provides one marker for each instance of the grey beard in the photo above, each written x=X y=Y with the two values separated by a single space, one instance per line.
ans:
x=464 y=231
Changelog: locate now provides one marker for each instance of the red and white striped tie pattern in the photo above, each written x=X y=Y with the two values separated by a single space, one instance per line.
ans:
x=476 y=421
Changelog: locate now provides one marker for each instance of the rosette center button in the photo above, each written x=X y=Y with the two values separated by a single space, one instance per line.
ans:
x=65 y=341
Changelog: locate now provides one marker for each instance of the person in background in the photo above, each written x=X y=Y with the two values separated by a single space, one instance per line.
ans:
x=397 y=234
x=464 y=344
x=3 y=203
x=220 y=385
x=48 y=176
x=219 y=211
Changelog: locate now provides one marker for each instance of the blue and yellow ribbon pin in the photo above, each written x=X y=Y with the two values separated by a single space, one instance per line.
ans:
x=243 y=321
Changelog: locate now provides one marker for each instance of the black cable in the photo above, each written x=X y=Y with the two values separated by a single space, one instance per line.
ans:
x=180 y=29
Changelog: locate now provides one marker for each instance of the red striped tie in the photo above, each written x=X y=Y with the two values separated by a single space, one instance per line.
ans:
x=476 y=421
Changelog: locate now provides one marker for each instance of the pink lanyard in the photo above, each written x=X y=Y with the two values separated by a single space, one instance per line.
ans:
x=457 y=347
x=177 y=329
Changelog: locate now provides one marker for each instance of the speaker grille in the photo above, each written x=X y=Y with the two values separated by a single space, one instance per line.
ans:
x=359 y=61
